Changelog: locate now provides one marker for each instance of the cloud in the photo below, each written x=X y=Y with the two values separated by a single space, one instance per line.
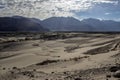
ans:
x=107 y=13
x=48 y=8
x=106 y=1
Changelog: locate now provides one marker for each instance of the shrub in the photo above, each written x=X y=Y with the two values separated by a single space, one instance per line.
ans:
x=78 y=79
x=71 y=48
x=35 y=44
x=114 y=68
x=14 y=68
x=47 y=62
x=108 y=76
x=117 y=74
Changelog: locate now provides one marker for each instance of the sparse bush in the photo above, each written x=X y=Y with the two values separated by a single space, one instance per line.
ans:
x=28 y=73
x=65 y=72
x=34 y=69
x=117 y=74
x=108 y=76
x=35 y=44
x=28 y=38
x=8 y=76
x=78 y=79
x=47 y=62
x=75 y=59
x=32 y=76
x=71 y=48
x=4 y=68
x=52 y=72
x=114 y=68
x=14 y=68
x=11 y=72
x=103 y=49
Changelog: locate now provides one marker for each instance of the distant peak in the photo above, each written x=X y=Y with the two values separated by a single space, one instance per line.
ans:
x=16 y=16
x=91 y=19
x=62 y=17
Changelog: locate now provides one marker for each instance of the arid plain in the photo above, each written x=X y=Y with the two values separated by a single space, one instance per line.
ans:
x=60 y=56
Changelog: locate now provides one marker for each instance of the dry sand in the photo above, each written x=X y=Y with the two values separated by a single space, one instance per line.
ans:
x=78 y=58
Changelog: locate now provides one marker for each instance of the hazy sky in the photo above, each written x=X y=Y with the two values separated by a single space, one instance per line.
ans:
x=42 y=9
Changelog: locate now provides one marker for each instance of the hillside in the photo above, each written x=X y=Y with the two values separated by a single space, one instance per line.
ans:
x=72 y=24
x=18 y=23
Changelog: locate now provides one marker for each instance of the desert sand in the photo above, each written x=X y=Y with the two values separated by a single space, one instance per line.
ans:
x=92 y=57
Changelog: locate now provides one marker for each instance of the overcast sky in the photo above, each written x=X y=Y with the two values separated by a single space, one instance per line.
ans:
x=80 y=9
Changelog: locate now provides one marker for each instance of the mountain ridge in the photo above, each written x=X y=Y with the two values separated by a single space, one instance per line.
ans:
x=19 y=23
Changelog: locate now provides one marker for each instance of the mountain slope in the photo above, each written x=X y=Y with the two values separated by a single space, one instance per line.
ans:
x=102 y=25
x=18 y=23
x=72 y=24
x=65 y=24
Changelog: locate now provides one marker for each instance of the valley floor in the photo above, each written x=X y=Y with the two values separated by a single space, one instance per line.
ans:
x=93 y=57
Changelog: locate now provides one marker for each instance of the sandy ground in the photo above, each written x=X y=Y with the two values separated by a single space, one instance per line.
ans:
x=78 y=58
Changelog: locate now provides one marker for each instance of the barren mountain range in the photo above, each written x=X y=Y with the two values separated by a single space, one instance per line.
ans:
x=19 y=23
